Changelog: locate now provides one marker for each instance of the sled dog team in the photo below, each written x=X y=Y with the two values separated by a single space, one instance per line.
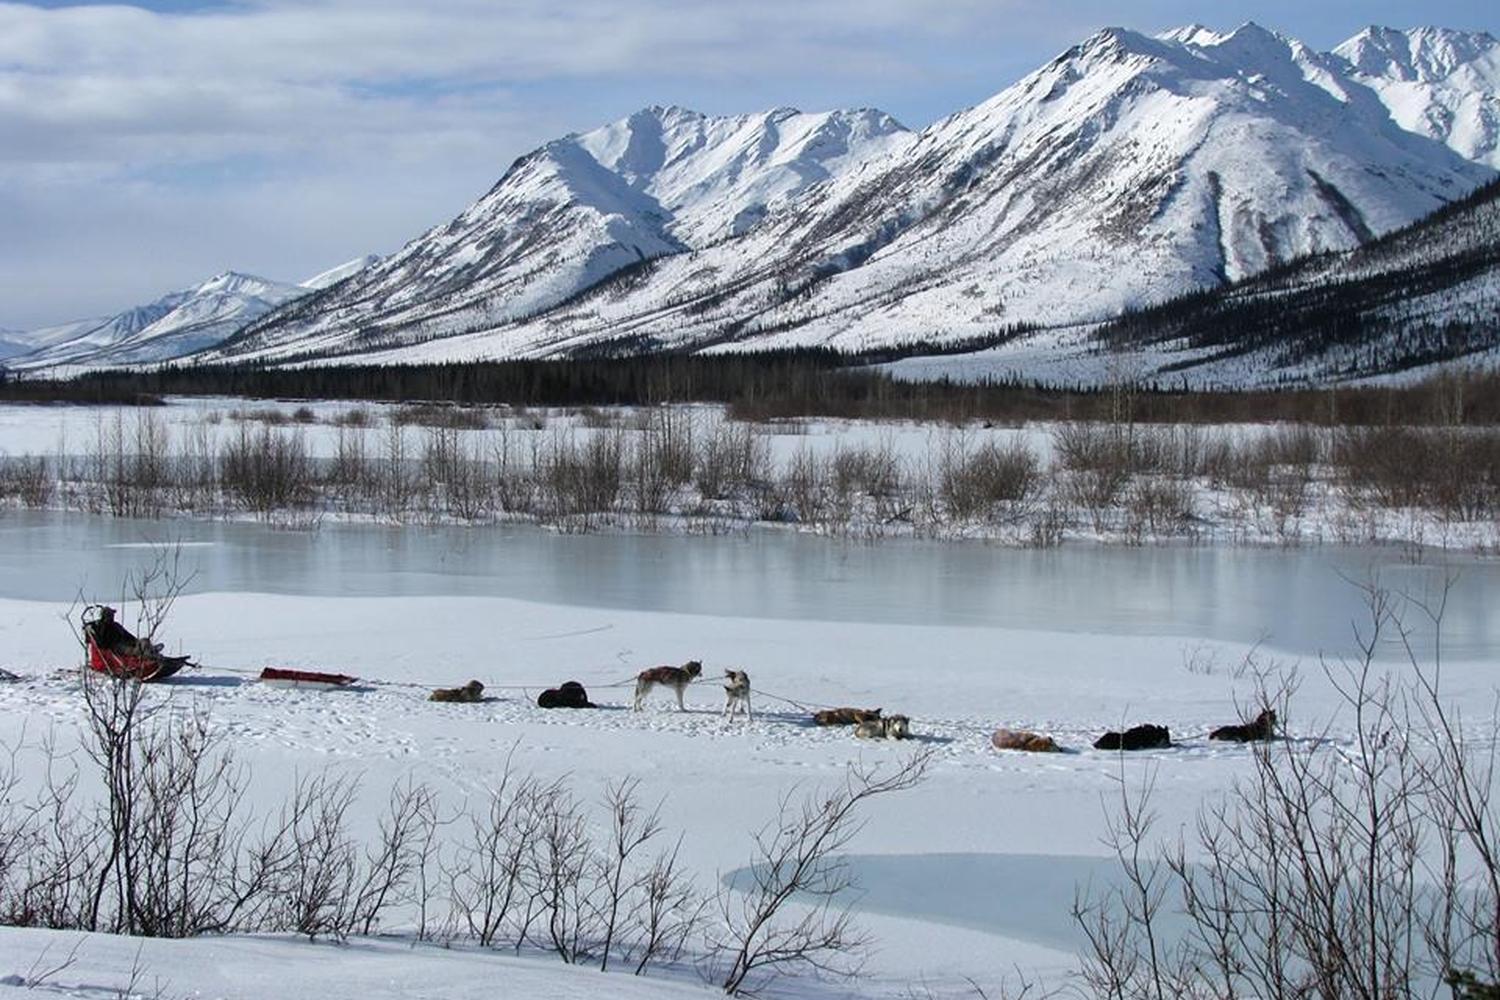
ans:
x=868 y=723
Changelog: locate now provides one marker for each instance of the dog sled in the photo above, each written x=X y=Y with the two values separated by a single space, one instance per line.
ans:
x=284 y=677
x=112 y=650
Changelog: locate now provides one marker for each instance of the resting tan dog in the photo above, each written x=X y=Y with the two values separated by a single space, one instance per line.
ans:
x=676 y=678
x=737 y=694
x=845 y=716
x=470 y=692
x=892 y=727
x=1263 y=728
x=1023 y=739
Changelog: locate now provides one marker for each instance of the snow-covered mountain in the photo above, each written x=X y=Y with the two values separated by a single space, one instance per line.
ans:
x=12 y=342
x=175 y=325
x=332 y=276
x=1441 y=84
x=581 y=209
x=1129 y=170
x=1424 y=295
x=1427 y=293
x=85 y=337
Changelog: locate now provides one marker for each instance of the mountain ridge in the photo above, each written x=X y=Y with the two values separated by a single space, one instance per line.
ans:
x=1129 y=170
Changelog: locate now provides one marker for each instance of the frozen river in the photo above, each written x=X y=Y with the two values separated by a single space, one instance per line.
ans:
x=1295 y=600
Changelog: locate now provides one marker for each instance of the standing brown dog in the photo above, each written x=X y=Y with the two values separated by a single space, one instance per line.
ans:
x=676 y=678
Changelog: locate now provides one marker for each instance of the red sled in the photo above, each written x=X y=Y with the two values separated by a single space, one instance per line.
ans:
x=114 y=651
x=305 y=678
x=135 y=666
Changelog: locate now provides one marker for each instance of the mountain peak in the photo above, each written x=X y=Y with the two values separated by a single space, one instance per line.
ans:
x=234 y=283
x=1192 y=34
x=1423 y=54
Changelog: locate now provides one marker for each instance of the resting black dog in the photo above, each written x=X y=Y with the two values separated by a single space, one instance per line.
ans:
x=569 y=695
x=1147 y=737
x=1263 y=728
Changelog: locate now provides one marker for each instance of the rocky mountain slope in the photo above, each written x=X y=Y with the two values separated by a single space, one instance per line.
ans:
x=579 y=210
x=1128 y=171
x=1441 y=84
x=1424 y=294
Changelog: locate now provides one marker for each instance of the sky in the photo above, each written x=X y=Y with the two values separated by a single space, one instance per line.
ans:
x=147 y=147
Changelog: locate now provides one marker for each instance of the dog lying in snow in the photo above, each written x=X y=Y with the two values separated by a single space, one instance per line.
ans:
x=737 y=694
x=470 y=692
x=1023 y=739
x=1144 y=737
x=1263 y=728
x=891 y=727
x=676 y=678
x=570 y=694
x=845 y=716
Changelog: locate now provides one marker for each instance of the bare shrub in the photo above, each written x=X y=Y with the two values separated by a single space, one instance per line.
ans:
x=267 y=469
x=128 y=465
x=579 y=483
x=485 y=878
x=193 y=480
x=1454 y=471
x=994 y=482
x=396 y=485
x=441 y=415
x=514 y=465
x=315 y=887
x=355 y=416
x=1467 y=480
x=1388 y=465
x=1097 y=492
x=662 y=459
x=556 y=870
x=797 y=861
x=1081 y=446
x=1218 y=458
x=805 y=487
x=270 y=417
x=396 y=862
x=731 y=458
x=1359 y=867
x=453 y=469
x=1158 y=506
x=28 y=478
x=348 y=474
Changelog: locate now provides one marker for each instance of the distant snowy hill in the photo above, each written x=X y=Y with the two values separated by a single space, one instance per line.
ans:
x=85 y=337
x=1128 y=171
x=176 y=325
x=12 y=342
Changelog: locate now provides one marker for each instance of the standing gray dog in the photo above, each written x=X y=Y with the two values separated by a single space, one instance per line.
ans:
x=737 y=694
x=676 y=678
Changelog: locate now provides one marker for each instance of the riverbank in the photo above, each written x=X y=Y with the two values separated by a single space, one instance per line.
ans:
x=694 y=470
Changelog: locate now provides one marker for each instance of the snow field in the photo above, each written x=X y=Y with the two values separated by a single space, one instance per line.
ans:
x=936 y=921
